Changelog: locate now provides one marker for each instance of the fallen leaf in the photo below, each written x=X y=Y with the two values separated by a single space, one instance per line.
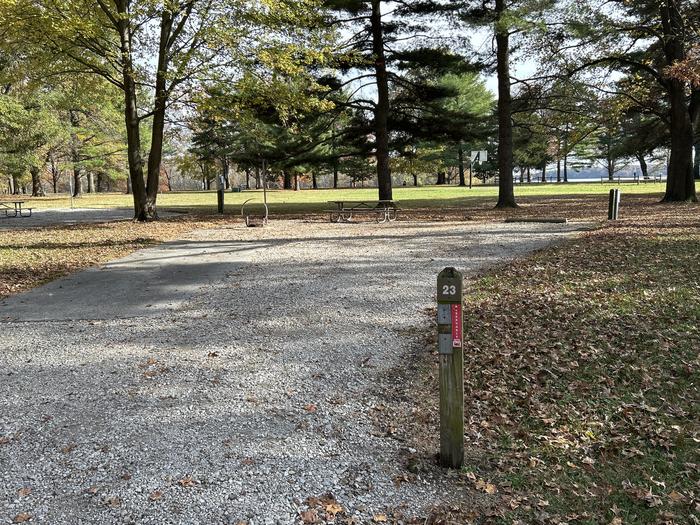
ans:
x=311 y=408
x=488 y=488
x=25 y=491
x=113 y=502
x=676 y=497
x=309 y=516
x=187 y=481
x=155 y=495
x=379 y=518
x=333 y=509
x=22 y=517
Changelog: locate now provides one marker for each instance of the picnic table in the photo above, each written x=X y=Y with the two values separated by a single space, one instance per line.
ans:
x=343 y=211
x=16 y=210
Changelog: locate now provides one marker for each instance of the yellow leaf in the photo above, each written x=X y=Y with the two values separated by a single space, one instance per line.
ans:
x=333 y=508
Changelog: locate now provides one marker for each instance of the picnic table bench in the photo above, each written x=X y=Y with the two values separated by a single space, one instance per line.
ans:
x=343 y=211
x=16 y=210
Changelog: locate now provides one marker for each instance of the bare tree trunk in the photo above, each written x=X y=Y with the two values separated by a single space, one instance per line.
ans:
x=297 y=184
x=544 y=172
x=529 y=180
x=37 y=188
x=168 y=178
x=314 y=181
x=90 y=183
x=566 y=153
x=75 y=155
x=155 y=156
x=506 y=197
x=460 y=156
x=335 y=174
x=558 y=170
x=415 y=180
x=680 y=185
x=643 y=165
x=381 y=111
x=77 y=182
x=247 y=178
x=131 y=116
x=226 y=173
x=696 y=164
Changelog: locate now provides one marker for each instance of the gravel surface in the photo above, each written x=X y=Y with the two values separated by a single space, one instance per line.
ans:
x=259 y=389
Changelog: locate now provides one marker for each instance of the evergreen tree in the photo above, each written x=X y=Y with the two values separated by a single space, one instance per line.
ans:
x=388 y=39
x=508 y=19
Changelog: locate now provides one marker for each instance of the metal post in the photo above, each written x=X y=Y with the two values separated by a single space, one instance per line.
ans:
x=614 y=205
x=220 y=194
x=450 y=343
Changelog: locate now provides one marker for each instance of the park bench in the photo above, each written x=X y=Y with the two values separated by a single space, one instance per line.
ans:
x=16 y=210
x=343 y=211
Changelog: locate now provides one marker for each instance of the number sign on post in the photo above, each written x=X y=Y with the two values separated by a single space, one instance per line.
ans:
x=450 y=343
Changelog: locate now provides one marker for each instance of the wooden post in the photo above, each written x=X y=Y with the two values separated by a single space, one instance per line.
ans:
x=450 y=345
x=614 y=205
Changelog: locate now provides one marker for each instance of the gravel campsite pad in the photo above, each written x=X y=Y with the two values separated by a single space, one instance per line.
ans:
x=239 y=375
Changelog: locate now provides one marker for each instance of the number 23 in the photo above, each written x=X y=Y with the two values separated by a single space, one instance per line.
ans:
x=449 y=289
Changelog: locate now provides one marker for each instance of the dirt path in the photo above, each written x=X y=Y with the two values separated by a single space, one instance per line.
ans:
x=230 y=376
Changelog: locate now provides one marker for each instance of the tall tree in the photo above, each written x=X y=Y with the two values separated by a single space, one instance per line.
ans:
x=386 y=39
x=154 y=52
x=510 y=21
x=650 y=40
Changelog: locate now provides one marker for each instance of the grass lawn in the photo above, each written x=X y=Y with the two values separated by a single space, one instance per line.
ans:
x=582 y=377
x=306 y=201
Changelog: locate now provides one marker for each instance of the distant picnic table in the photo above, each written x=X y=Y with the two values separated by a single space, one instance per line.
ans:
x=16 y=210
x=343 y=211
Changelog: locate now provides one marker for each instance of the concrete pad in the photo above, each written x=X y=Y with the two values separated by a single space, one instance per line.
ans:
x=147 y=283
x=68 y=216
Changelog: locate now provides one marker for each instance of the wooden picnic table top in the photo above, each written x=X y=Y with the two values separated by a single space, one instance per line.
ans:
x=364 y=202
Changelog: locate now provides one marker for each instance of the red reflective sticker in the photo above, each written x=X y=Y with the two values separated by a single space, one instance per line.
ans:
x=456 y=326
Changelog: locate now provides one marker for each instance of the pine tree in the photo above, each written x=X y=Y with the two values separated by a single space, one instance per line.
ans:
x=508 y=19
x=386 y=42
